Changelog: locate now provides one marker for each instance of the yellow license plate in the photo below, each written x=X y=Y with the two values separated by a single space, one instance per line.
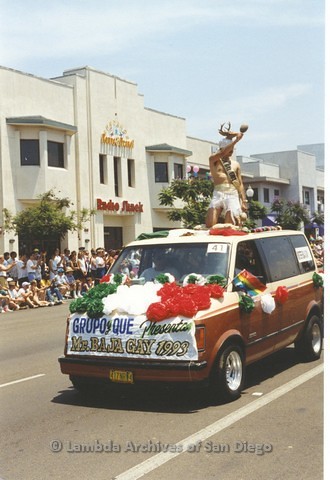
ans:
x=121 y=376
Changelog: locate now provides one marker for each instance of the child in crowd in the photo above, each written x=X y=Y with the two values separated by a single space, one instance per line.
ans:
x=87 y=285
x=75 y=285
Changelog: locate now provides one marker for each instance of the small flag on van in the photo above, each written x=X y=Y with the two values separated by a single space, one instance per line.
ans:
x=249 y=283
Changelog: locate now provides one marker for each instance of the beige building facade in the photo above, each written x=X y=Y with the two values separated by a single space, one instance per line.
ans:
x=88 y=136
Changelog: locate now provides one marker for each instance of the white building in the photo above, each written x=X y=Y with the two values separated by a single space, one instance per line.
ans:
x=87 y=136
x=296 y=175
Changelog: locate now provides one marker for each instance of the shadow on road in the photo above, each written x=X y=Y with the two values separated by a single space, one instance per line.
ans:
x=171 y=399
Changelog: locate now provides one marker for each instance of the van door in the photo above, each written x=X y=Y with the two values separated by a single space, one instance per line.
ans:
x=283 y=268
x=259 y=328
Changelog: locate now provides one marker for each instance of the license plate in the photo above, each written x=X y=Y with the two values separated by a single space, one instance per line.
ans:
x=121 y=376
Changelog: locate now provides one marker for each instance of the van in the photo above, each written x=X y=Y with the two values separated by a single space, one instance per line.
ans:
x=197 y=307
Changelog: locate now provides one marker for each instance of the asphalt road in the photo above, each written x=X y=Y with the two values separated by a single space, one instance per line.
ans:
x=50 y=431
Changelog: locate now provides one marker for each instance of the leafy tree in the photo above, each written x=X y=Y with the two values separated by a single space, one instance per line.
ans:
x=46 y=220
x=256 y=211
x=195 y=194
x=289 y=214
x=318 y=218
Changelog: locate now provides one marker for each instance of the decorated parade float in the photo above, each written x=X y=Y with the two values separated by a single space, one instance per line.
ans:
x=196 y=306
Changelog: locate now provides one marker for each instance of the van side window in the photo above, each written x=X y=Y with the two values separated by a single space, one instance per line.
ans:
x=247 y=258
x=280 y=256
x=303 y=252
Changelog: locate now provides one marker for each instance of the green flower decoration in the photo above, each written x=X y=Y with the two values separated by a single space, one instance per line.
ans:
x=192 y=279
x=246 y=303
x=79 y=305
x=92 y=301
x=95 y=308
x=118 y=278
x=162 y=278
x=217 y=279
x=102 y=290
x=317 y=280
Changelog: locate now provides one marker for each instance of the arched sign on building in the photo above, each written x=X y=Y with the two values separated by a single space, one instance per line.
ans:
x=115 y=141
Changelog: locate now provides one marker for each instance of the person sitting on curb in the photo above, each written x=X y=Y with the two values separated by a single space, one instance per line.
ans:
x=13 y=291
x=26 y=293
x=37 y=294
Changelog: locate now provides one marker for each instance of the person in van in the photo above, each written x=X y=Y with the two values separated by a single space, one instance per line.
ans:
x=159 y=267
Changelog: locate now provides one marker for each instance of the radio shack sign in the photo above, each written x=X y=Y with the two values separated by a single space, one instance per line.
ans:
x=125 y=206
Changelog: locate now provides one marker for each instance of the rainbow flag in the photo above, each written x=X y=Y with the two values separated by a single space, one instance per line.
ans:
x=248 y=282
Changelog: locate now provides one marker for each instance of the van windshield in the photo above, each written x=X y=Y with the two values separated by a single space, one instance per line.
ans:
x=145 y=263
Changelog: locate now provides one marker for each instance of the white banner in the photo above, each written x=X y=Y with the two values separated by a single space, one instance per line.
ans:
x=132 y=336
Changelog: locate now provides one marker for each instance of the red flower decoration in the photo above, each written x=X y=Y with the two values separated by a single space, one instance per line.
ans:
x=281 y=295
x=216 y=291
x=173 y=306
x=191 y=289
x=105 y=279
x=168 y=290
x=226 y=232
x=186 y=301
x=202 y=300
x=188 y=307
x=157 y=311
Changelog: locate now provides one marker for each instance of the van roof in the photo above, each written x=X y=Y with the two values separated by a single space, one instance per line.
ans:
x=182 y=235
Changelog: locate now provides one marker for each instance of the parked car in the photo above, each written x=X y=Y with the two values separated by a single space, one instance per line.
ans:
x=232 y=299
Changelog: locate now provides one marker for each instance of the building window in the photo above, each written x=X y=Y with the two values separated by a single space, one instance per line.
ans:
x=55 y=152
x=102 y=168
x=30 y=153
x=178 y=171
x=161 y=172
x=116 y=174
x=306 y=197
x=266 y=195
x=320 y=203
x=276 y=193
x=131 y=172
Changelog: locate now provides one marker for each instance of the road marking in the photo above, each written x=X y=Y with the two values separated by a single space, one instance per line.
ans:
x=157 y=460
x=22 y=380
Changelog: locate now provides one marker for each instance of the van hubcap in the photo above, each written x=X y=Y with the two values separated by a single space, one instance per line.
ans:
x=233 y=371
x=316 y=338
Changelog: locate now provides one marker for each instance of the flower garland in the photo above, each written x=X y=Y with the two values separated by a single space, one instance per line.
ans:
x=157 y=300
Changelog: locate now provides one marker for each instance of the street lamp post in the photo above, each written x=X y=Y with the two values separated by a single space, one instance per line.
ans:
x=249 y=193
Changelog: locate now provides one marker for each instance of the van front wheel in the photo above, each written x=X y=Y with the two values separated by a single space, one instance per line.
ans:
x=229 y=373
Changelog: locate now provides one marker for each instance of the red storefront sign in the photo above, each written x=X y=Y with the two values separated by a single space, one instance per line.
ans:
x=115 y=206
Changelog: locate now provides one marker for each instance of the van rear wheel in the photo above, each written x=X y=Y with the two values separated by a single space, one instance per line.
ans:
x=309 y=346
x=229 y=373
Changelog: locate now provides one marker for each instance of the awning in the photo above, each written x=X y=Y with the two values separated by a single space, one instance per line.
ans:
x=269 y=221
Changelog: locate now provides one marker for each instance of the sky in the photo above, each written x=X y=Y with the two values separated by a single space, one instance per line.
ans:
x=259 y=62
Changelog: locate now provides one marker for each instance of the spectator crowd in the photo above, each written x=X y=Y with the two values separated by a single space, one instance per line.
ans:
x=32 y=281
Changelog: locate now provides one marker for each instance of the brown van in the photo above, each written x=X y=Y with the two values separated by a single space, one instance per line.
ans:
x=197 y=307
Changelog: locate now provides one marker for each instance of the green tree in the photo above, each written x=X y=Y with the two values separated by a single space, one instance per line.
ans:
x=318 y=218
x=46 y=220
x=195 y=194
x=257 y=211
x=289 y=214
